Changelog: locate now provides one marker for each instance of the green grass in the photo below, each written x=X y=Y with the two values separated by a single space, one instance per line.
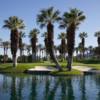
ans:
x=64 y=73
x=7 y=68
x=94 y=66
x=21 y=67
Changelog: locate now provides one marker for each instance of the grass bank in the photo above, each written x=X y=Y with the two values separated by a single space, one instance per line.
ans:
x=7 y=68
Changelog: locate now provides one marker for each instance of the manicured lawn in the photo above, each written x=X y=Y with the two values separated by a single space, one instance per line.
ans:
x=21 y=67
x=95 y=66
x=24 y=66
x=90 y=64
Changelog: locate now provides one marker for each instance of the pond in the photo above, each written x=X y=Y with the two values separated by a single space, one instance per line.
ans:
x=41 y=87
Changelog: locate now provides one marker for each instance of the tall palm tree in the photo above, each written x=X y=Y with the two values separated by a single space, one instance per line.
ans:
x=82 y=36
x=47 y=17
x=63 y=47
x=33 y=36
x=21 y=35
x=70 y=21
x=97 y=34
x=13 y=23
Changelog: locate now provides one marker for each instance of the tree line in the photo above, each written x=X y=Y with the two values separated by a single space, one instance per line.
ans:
x=46 y=18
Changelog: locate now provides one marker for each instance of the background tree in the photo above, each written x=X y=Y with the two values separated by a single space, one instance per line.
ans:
x=0 y=42
x=33 y=36
x=13 y=23
x=97 y=34
x=6 y=45
x=47 y=17
x=63 y=46
x=82 y=36
x=21 y=35
x=70 y=21
x=45 y=35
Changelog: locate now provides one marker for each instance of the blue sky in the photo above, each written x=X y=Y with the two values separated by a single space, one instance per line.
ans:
x=28 y=10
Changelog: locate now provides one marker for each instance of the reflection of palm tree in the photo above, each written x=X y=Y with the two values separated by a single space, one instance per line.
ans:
x=46 y=18
x=47 y=88
x=63 y=89
x=83 y=88
x=52 y=92
x=97 y=82
x=5 y=83
x=20 y=88
x=13 y=89
x=33 y=93
x=70 y=90
x=71 y=21
x=13 y=24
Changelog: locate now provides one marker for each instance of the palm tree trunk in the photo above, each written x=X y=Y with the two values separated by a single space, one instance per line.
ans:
x=20 y=54
x=98 y=41
x=70 y=44
x=51 y=45
x=34 y=56
x=69 y=62
x=4 y=55
x=83 y=46
x=14 y=61
x=14 y=46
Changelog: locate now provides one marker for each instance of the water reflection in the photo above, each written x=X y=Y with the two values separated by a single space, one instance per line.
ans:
x=36 y=87
x=13 y=92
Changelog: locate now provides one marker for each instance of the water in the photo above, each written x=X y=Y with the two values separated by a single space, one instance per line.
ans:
x=37 y=87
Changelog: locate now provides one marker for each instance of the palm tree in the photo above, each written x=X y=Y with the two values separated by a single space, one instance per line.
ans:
x=45 y=35
x=82 y=36
x=33 y=36
x=6 y=45
x=21 y=35
x=14 y=24
x=39 y=46
x=97 y=34
x=0 y=42
x=71 y=21
x=63 y=46
x=46 y=18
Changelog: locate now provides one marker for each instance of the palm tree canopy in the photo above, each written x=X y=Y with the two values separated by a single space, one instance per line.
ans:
x=83 y=35
x=97 y=34
x=46 y=16
x=14 y=23
x=62 y=36
x=73 y=16
x=33 y=33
